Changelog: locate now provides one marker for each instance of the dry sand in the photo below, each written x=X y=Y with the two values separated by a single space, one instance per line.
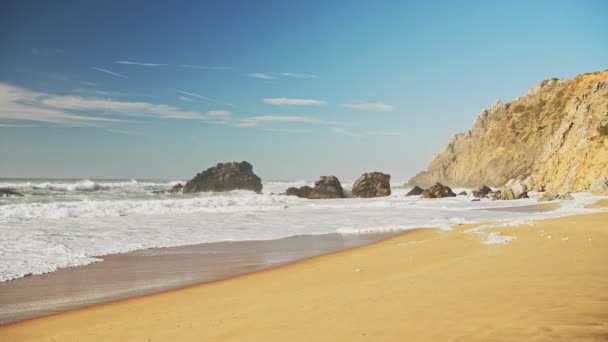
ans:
x=551 y=283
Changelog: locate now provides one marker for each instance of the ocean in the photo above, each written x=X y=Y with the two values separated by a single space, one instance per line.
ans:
x=71 y=222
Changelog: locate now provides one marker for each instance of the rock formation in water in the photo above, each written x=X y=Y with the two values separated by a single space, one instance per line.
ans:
x=554 y=137
x=10 y=193
x=223 y=177
x=415 y=191
x=554 y=195
x=303 y=191
x=326 y=187
x=481 y=192
x=374 y=184
x=438 y=191
x=513 y=190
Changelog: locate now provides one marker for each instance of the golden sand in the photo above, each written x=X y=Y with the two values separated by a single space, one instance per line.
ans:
x=550 y=283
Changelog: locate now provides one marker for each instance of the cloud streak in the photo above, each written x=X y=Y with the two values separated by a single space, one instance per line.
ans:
x=202 y=67
x=109 y=72
x=140 y=64
x=19 y=106
x=384 y=133
x=283 y=101
x=298 y=75
x=256 y=120
x=261 y=75
x=198 y=96
x=370 y=106
x=342 y=131
x=25 y=105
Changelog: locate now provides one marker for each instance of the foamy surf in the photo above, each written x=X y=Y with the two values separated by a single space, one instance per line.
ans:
x=70 y=223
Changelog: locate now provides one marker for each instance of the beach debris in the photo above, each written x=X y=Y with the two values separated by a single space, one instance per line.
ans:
x=565 y=239
x=438 y=191
x=358 y=270
x=374 y=184
x=415 y=191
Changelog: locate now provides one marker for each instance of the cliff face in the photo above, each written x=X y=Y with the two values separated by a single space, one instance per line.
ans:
x=555 y=136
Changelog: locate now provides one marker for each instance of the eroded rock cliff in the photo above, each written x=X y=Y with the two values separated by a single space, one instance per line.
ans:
x=554 y=137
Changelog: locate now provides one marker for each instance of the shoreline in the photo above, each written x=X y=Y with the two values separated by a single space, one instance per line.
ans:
x=144 y=265
x=151 y=261
x=311 y=295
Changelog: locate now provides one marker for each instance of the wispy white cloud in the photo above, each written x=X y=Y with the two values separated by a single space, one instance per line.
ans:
x=219 y=113
x=342 y=131
x=384 y=133
x=108 y=106
x=127 y=132
x=298 y=75
x=255 y=120
x=140 y=64
x=261 y=75
x=109 y=72
x=283 y=101
x=287 y=130
x=198 y=96
x=15 y=126
x=202 y=67
x=17 y=103
x=370 y=106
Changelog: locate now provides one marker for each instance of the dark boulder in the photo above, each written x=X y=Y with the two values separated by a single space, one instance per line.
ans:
x=438 y=191
x=327 y=187
x=223 y=177
x=415 y=191
x=481 y=192
x=375 y=184
x=10 y=193
x=302 y=192
x=462 y=193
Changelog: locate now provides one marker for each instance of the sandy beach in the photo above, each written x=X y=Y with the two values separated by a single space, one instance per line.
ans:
x=549 y=283
x=154 y=270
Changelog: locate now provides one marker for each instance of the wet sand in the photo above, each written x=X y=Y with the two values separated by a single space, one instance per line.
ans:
x=549 y=284
x=154 y=270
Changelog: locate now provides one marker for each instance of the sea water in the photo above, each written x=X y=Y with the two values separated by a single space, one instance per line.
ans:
x=71 y=222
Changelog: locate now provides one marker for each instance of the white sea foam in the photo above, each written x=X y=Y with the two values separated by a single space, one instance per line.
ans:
x=68 y=223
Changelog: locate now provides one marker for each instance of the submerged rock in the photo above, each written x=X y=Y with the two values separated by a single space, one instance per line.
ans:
x=415 y=191
x=375 y=184
x=10 y=193
x=553 y=195
x=223 y=177
x=482 y=192
x=438 y=191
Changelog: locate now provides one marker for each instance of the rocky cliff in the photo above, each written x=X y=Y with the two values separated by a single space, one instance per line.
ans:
x=555 y=137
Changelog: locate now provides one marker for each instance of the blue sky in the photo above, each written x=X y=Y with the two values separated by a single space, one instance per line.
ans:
x=164 y=89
